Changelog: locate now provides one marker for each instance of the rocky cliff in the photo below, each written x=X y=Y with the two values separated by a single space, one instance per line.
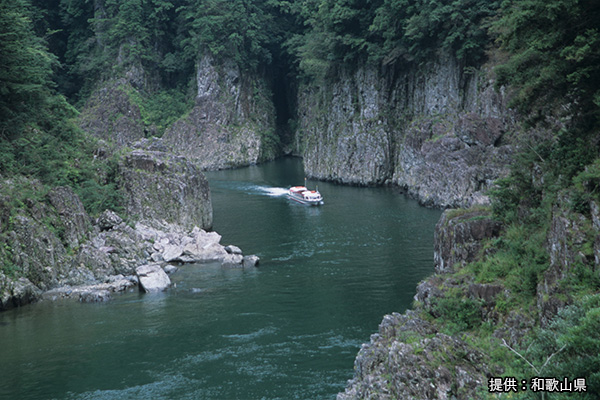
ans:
x=162 y=189
x=468 y=325
x=439 y=131
x=232 y=123
x=111 y=115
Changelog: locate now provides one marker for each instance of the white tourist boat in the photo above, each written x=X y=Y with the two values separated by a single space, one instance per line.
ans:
x=305 y=196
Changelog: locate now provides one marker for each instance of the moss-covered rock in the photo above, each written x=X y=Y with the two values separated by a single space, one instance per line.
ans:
x=459 y=236
x=110 y=114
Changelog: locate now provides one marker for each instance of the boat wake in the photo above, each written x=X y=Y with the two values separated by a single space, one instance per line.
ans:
x=272 y=191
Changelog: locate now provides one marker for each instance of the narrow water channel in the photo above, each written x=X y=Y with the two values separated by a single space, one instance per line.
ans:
x=289 y=329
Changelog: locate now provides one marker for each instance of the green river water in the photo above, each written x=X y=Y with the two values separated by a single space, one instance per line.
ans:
x=289 y=329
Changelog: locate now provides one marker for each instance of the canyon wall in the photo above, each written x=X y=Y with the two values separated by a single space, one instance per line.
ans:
x=232 y=123
x=439 y=131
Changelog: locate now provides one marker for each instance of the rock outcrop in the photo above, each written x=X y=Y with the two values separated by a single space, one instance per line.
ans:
x=232 y=123
x=568 y=245
x=459 y=235
x=438 y=132
x=50 y=248
x=163 y=189
x=111 y=115
x=410 y=358
x=198 y=246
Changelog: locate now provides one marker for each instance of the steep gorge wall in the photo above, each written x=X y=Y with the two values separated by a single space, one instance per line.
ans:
x=436 y=131
x=232 y=123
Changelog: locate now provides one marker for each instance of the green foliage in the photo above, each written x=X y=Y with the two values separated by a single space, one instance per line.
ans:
x=345 y=33
x=518 y=260
x=243 y=31
x=572 y=343
x=25 y=69
x=554 y=51
x=459 y=313
x=161 y=109
x=414 y=30
x=586 y=187
x=38 y=136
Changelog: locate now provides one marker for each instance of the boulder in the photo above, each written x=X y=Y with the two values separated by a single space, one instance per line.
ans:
x=250 y=261
x=169 y=269
x=19 y=293
x=108 y=220
x=233 y=260
x=94 y=296
x=205 y=247
x=231 y=249
x=172 y=252
x=152 y=278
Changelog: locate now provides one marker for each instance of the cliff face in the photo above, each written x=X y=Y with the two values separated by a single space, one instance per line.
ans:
x=162 y=189
x=232 y=123
x=110 y=114
x=436 y=131
x=573 y=244
x=434 y=352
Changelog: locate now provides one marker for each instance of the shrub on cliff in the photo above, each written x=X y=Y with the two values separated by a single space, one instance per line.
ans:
x=570 y=347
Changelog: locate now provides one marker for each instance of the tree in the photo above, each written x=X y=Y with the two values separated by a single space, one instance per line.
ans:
x=25 y=69
x=554 y=56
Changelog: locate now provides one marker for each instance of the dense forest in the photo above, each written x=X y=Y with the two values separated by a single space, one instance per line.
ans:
x=546 y=53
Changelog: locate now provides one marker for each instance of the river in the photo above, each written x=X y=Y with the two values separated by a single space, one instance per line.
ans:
x=289 y=329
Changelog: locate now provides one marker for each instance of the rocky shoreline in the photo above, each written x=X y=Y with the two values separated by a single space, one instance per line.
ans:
x=144 y=257
x=54 y=247
x=168 y=251
x=411 y=357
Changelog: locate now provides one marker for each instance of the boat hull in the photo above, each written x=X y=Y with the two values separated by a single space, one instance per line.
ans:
x=301 y=200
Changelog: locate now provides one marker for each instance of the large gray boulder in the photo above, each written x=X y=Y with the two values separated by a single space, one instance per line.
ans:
x=152 y=278
x=205 y=247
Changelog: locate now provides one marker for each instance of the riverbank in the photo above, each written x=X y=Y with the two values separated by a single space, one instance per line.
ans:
x=134 y=249
x=50 y=240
